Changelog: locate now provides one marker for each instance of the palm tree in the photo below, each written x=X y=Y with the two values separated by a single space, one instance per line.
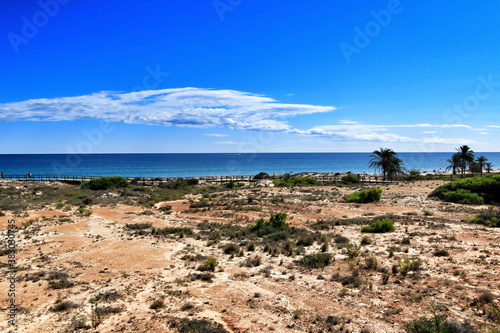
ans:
x=489 y=167
x=466 y=156
x=454 y=163
x=395 y=167
x=481 y=161
x=385 y=159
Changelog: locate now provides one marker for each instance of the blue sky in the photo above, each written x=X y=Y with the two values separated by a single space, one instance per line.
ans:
x=248 y=76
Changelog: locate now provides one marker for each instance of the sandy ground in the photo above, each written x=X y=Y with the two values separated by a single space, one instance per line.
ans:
x=99 y=254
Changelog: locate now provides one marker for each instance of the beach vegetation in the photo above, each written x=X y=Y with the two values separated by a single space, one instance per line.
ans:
x=387 y=161
x=261 y=175
x=382 y=226
x=490 y=218
x=276 y=222
x=291 y=181
x=475 y=190
x=350 y=179
x=352 y=250
x=317 y=260
x=408 y=265
x=365 y=196
x=105 y=183
x=414 y=175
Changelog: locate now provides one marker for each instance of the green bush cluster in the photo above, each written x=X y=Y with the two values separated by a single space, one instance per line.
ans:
x=385 y=225
x=105 y=183
x=317 y=260
x=277 y=222
x=350 y=179
x=414 y=175
x=490 y=218
x=290 y=181
x=365 y=196
x=475 y=190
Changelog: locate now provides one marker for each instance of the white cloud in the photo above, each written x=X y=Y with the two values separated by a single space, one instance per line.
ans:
x=365 y=132
x=484 y=133
x=493 y=126
x=190 y=107
x=227 y=143
x=429 y=132
x=217 y=135
x=349 y=122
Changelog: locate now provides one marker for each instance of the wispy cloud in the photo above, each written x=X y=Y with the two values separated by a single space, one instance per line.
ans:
x=190 y=107
x=227 y=143
x=217 y=135
x=366 y=132
x=209 y=108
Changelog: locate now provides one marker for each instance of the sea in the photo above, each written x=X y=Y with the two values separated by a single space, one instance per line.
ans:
x=212 y=164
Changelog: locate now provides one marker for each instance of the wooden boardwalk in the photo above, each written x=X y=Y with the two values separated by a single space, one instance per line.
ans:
x=209 y=179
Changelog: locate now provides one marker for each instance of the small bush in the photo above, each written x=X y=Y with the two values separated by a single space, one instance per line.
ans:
x=350 y=179
x=408 y=265
x=105 y=183
x=366 y=241
x=61 y=284
x=317 y=260
x=261 y=175
x=63 y=306
x=352 y=250
x=187 y=306
x=385 y=225
x=365 y=196
x=211 y=264
x=441 y=253
x=158 y=304
x=231 y=249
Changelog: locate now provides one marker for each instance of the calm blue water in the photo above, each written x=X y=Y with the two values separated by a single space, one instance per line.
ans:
x=184 y=165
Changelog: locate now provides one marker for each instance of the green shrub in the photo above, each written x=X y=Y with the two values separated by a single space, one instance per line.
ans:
x=317 y=260
x=277 y=222
x=463 y=196
x=486 y=188
x=105 y=183
x=352 y=250
x=350 y=179
x=490 y=218
x=231 y=248
x=211 y=264
x=365 y=196
x=408 y=265
x=379 y=227
x=414 y=175
x=290 y=181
